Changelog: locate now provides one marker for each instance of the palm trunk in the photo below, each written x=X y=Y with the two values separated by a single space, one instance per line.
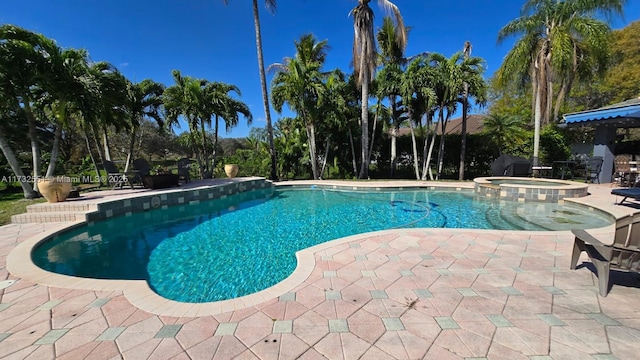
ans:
x=353 y=152
x=394 y=136
x=465 y=105
x=413 y=143
x=205 y=155
x=215 y=144
x=27 y=190
x=536 y=125
x=364 y=125
x=443 y=126
x=373 y=132
x=311 y=135
x=105 y=142
x=93 y=159
x=97 y=141
x=132 y=143
x=194 y=148
x=35 y=145
x=326 y=155
x=263 y=85
x=55 y=150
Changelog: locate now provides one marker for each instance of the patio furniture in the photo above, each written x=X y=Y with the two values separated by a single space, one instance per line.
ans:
x=564 y=168
x=509 y=165
x=115 y=178
x=184 y=166
x=161 y=181
x=590 y=170
x=142 y=166
x=633 y=192
x=623 y=254
x=624 y=174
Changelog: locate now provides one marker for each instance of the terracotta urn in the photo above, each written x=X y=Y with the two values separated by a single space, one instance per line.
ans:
x=231 y=170
x=54 y=189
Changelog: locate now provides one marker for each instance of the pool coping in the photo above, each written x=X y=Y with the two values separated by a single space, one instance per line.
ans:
x=143 y=297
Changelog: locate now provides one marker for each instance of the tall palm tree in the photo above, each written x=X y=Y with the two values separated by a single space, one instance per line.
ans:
x=365 y=62
x=271 y=6
x=144 y=100
x=28 y=65
x=555 y=39
x=465 y=109
x=225 y=107
x=299 y=83
x=185 y=98
x=454 y=76
x=389 y=77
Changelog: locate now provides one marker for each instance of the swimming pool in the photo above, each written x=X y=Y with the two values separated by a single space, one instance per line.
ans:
x=241 y=244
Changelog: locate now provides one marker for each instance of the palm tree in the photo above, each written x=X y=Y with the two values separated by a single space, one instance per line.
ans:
x=504 y=129
x=365 y=62
x=144 y=100
x=299 y=83
x=226 y=107
x=454 y=76
x=465 y=108
x=185 y=99
x=271 y=6
x=389 y=77
x=556 y=39
x=27 y=67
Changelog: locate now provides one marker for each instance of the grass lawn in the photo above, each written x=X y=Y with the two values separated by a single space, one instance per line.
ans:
x=12 y=203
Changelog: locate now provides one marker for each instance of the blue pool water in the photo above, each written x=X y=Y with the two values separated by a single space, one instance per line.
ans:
x=245 y=243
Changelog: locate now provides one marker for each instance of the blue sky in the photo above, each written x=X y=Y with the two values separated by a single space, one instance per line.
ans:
x=206 y=39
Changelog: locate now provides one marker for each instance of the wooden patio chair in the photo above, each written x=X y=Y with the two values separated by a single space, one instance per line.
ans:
x=623 y=254
x=116 y=178
x=184 y=165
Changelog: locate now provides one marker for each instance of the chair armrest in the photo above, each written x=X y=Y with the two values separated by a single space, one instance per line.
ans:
x=588 y=238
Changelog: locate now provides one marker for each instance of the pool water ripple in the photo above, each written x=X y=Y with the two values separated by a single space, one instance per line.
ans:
x=247 y=242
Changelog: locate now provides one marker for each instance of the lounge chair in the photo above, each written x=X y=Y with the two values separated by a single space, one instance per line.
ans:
x=184 y=165
x=623 y=254
x=633 y=192
x=142 y=167
x=115 y=178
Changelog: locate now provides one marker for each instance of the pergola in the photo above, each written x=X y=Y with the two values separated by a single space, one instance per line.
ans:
x=606 y=120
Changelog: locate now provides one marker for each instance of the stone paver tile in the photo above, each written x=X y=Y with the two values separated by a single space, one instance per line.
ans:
x=447 y=322
x=226 y=329
x=333 y=295
x=99 y=302
x=378 y=294
x=4 y=336
x=168 y=331
x=282 y=326
x=338 y=325
x=168 y=348
x=552 y=320
x=290 y=296
x=111 y=333
x=393 y=324
x=51 y=337
x=523 y=341
x=604 y=319
x=498 y=320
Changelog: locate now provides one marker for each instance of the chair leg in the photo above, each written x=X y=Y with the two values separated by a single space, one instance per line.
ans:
x=578 y=248
x=602 y=268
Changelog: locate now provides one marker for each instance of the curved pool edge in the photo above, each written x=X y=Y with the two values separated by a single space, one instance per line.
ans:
x=139 y=294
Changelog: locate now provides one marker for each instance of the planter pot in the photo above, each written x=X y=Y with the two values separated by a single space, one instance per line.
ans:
x=54 y=189
x=231 y=170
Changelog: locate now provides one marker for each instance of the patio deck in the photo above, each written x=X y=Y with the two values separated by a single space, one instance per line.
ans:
x=398 y=294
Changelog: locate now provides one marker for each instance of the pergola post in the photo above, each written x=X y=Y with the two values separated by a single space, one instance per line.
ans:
x=604 y=145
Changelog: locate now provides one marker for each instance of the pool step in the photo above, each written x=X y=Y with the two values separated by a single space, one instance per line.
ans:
x=54 y=212
x=61 y=207
x=47 y=217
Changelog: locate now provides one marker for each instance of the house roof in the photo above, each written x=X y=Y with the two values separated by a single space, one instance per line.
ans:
x=624 y=114
x=475 y=123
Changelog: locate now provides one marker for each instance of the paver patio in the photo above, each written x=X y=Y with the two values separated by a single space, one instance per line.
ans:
x=398 y=294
